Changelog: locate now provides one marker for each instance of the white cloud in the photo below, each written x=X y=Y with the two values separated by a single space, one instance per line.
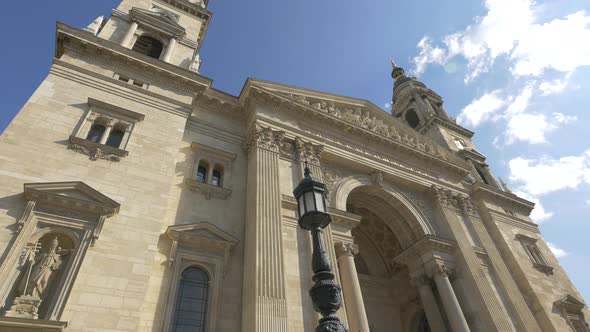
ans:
x=542 y=176
x=538 y=214
x=554 y=86
x=527 y=127
x=481 y=109
x=521 y=125
x=387 y=106
x=588 y=201
x=558 y=252
x=564 y=119
x=512 y=29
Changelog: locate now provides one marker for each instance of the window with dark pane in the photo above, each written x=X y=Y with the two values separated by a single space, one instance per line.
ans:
x=201 y=175
x=95 y=133
x=190 y=313
x=216 y=178
x=148 y=46
x=115 y=137
x=412 y=118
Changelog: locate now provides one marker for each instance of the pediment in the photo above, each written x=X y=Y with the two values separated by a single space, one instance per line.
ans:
x=74 y=195
x=200 y=232
x=570 y=303
x=356 y=116
x=158 y=19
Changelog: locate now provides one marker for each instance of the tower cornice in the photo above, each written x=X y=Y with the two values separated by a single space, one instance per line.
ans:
x=179 y=78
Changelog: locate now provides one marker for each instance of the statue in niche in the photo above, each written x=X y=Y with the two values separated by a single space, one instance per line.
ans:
x=40 y=274
x=36 y=278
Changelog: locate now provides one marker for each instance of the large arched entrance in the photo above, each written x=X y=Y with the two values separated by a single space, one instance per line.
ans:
x=391 y=301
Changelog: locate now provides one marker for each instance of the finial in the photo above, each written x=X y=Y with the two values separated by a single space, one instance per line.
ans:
x=393 y=65
x=307 y=171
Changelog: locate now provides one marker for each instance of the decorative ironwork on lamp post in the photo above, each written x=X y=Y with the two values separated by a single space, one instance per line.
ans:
x=325 y=294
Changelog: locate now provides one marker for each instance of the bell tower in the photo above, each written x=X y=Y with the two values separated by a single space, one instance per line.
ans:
x=169 y=30
x=422 y=109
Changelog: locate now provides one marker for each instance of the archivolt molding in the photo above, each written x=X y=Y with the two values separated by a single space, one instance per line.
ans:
x=409 y=204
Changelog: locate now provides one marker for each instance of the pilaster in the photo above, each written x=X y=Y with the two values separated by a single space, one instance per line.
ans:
x=306 y=151
x=524 y=319
x=264 y=306
x=490 y=310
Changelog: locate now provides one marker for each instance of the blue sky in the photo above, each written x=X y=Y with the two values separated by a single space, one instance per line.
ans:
x=516 y=72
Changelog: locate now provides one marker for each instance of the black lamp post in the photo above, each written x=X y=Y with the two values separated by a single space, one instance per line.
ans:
x=325 y=294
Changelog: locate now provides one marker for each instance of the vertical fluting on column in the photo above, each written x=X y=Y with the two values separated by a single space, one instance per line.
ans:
x=449 y=300
x=450 y=204
x=355 y=309
x=312 y=153
x=433 y=314
x=517 y=305
x=264 y=306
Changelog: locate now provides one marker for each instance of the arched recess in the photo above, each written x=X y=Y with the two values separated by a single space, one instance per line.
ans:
x=410 y=213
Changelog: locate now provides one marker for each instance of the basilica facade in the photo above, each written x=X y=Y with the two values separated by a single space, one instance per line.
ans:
x=134 y=196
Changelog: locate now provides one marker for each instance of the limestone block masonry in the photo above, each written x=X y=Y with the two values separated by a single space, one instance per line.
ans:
x=136 y=197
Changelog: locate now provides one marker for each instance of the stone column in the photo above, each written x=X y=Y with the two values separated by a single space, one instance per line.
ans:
x=107 y=132
x=169 y=49
x=449 y=300
x=488 y=310
x=355 y=306
x=433 y=315
x=264 y=304
x=505 y=282
x=126 y=42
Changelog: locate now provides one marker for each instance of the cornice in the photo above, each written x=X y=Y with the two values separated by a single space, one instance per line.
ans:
x=156 y=22
x=187 y=7
x=428 y=243
x=405 y=142
x=121 y=57
x=59 y=194
x=98 y=81
x=119 y=111
x=506 y=200
x=447 y=124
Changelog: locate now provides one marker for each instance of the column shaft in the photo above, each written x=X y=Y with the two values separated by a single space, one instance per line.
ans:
x=106 y=134
x=450 y=303
x=169 y=50
x=264 y=305
x=126 y=42
x=433 y=315
x=355 y=306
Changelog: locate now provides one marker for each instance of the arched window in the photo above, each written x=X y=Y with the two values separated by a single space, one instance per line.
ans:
x=116 y=137
x=412 y=118
x=95 y=133
x=149 y=46
x=202 y=169
x=190 y=313
x=216 y=176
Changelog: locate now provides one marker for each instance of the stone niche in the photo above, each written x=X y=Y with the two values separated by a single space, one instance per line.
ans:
x=59 y=223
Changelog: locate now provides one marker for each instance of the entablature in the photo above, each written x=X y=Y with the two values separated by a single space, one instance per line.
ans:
x=401 y=139
x=504 y=199
x=121 y=58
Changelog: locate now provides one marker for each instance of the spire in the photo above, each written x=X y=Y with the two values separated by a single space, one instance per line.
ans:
x=397 y=72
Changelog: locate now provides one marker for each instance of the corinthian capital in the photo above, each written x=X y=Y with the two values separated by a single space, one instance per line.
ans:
x=349 y=249
x=308 y=151
x=265 y=138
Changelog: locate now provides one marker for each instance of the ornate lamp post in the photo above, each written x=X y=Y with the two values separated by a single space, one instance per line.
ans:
x=325 y=294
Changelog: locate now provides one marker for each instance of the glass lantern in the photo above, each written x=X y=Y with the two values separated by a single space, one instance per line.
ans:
x=311 y=202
